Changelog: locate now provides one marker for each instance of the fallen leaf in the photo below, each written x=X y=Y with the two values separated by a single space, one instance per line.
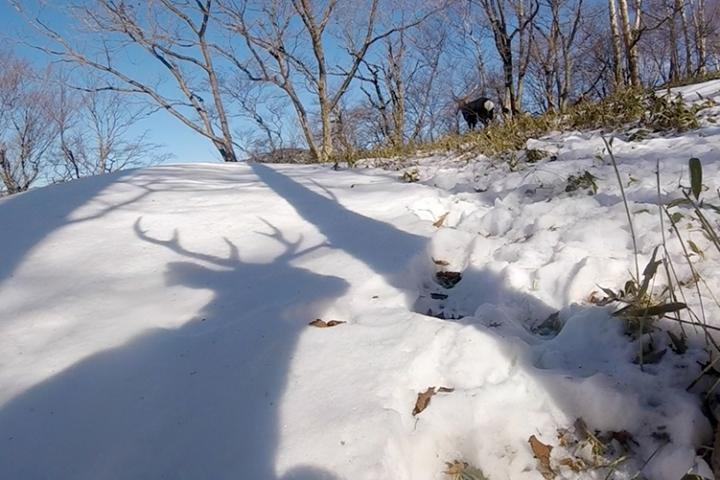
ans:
x=581 y=429
x=458 y=470
x=323 y=324
x=565 y=438
x=439 y=222
x=448 y=279
x=576 y=465
x=456 y=467
x=423 y=399
x=542 y=453
x=442 y=263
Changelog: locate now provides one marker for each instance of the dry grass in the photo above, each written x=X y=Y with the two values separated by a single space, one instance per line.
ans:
x=625 y=109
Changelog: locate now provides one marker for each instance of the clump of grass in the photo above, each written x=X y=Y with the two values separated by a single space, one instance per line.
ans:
x=629 y=108
x=637 y=108
x=410 y=176
x=642 y=306
x=669 y=113
x=497 y=138
x=698 y=78
x=692 y=198
x=586 y=181
x=621 y=108
x=533 y=155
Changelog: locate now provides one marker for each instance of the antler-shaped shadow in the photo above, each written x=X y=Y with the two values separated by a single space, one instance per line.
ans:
x=205 y=396
x=291 y=252
x=291 y=248
x=174 y=244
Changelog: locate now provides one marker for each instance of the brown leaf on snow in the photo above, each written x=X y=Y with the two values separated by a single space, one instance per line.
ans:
x=456 y=467
x=423 y=399
x=439 y=222
x=542 y=453
x=574 y=464
x=565 y=438
x=463 y=470
x=448 y=279
x=323 y=324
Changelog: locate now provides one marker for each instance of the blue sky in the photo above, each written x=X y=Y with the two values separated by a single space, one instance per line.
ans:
x=184 y=144
x=163 y=129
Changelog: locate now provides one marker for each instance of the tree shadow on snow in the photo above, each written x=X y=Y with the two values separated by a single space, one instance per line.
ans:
x=35 y=214
x=200 y=401
x=382 y=247
x=579 y=362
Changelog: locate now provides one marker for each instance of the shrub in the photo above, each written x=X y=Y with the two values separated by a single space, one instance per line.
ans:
x=629 y=108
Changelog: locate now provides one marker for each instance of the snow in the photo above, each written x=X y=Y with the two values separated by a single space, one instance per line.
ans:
x=154 y=322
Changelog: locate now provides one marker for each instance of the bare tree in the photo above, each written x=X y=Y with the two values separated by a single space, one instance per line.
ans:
x=511 y=24
x=680 y=9
x=172 y=34
x=555 y=55
x=265 y=111
x=27 y=131
x=615 y=41
x=424 y=90
x=702 y=30
x=386 y=90
x=95 y=130
x=667 y=51
x=629 y=33
x=293 y=58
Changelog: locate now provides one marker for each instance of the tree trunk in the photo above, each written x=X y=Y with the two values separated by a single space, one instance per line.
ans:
x=509 y=95
x=524 y=49
x=680 y=7
x=634 y=63
x=326 y=148
x=617 y=66
x=674 y=55
x=226 y=150
x=396 y=88
x=700 y=35
x=630 y=45
x=567 y=81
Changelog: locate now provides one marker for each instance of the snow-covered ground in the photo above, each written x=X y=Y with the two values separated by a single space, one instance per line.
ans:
x=154 y=323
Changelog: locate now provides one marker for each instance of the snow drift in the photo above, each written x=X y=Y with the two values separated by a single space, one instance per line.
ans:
x=155 y=322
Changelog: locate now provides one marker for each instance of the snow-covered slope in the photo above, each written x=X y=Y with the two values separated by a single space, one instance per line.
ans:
x=154 y=323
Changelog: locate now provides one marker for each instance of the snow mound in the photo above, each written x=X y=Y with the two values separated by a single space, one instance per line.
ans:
x=155 y=322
